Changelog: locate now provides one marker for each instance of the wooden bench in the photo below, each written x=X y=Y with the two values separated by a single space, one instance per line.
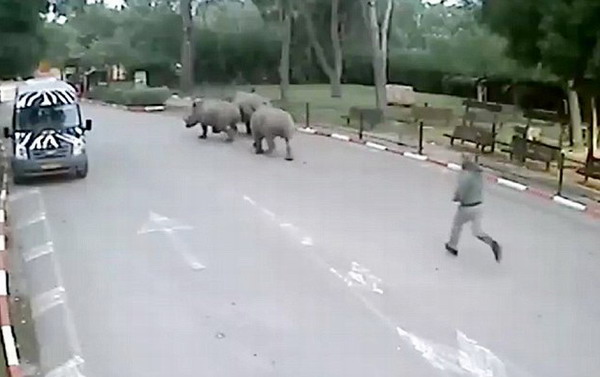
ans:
x=524 y=149
x=487 y=112
x=432 y=114
x=591 y=169
x=364 y=115
x=482 y=138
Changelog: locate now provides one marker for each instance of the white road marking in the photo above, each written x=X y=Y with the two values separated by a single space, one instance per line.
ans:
x=307 y=241
x=72 y=336
x=249 y=200
x=3 y=195
x=47 y=300
x=159 y=223
x=569 y=203
x=304 y=240
x=183 y=250
x=162 y=224
x=38 y=251
x=10 y=347
x=21 y=194
x=2 y=242
x=268 y=213
x=336 y=273
x=69 y=369
x=468 y=359
x=360 y=276
x=41 y=216
x=3 y=283
x=512 y=184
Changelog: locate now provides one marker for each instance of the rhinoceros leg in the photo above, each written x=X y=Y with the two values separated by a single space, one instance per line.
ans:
x=270 y=144
x=258 y=145
x=230 y=134
x=288 y=150
x=248 y=128
x=204 y=132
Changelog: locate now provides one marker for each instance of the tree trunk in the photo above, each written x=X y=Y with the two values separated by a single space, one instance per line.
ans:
x=575 y=113
x=336 y=44
x=379 y=81
x=373 y=27
x=286 y=40
x=384 y=32
x=187 y=57
x=379 y=41
x=333 y=73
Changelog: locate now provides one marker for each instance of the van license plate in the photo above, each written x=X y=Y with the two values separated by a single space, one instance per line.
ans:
x=50 y=166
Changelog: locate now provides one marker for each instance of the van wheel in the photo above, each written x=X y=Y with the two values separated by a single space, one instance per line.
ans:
x=83 y=172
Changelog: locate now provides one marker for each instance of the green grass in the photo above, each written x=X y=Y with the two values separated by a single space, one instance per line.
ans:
x=327 y=110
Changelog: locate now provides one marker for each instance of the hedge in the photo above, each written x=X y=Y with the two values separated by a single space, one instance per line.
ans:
x=131 y=97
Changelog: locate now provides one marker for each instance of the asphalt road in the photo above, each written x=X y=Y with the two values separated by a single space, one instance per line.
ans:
x=330 y=265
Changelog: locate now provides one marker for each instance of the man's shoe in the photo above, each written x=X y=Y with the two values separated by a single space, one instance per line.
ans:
x=451 y=250
x=497 y=249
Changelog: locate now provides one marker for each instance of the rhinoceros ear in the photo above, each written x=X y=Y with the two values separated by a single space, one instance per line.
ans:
x=197 y=102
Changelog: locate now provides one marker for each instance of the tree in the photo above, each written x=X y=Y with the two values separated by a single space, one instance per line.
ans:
x=60 y=43
x=560 y=35
x=187 y=51
x=285 y=7
x=378 y=28
x=187 y=61
x=283 y=12
x=334 y=70
x=21 y=40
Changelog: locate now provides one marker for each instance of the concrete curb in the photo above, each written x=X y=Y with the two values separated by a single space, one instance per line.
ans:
x=9 y=342
x=592 y=210
x=137 y=109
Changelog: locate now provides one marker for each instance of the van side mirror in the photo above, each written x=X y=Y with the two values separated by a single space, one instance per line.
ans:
x=7 y=132
x=88 y=124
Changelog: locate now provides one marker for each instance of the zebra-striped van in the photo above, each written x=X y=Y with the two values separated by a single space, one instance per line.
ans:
x=48 y=133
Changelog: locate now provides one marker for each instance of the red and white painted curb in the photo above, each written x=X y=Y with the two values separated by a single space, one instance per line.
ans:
x=593 y=210
x=9 y=343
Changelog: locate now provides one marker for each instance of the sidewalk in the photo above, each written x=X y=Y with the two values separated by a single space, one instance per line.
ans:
x=531 y=174
x=176 y=102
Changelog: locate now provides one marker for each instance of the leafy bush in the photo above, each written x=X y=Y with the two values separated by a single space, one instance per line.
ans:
x=146 y=96
x=106 y=94
x=131 y=97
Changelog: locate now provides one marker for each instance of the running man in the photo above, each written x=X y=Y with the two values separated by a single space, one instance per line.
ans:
x=469 y=195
